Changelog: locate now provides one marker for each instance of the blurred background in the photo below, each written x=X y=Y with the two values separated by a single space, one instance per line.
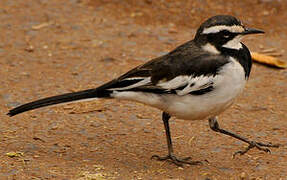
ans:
x=48 y=47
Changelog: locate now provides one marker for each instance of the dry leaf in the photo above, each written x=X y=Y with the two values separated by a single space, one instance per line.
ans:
x=269 y=60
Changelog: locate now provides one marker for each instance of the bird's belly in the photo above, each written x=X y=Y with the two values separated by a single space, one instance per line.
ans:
x=189 y=107
x=192 y=107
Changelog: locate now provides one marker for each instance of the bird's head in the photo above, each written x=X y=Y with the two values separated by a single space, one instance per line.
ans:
x=222 y=31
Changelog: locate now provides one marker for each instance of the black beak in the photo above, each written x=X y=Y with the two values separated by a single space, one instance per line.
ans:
x=252 y=31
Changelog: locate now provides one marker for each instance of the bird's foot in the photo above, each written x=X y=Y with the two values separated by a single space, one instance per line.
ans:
x=260 y=146
x=177 y=161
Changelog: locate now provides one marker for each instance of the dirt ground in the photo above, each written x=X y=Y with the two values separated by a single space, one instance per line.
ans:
x=49 y=47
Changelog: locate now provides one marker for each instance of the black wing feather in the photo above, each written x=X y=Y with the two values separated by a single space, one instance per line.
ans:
x=187 y=59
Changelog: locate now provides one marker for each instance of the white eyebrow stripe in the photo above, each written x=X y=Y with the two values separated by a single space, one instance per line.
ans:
x=215 y=29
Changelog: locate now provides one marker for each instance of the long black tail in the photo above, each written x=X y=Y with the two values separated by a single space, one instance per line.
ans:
x=86 y=94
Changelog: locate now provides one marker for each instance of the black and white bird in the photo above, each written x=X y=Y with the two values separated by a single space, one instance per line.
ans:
x=197 y=80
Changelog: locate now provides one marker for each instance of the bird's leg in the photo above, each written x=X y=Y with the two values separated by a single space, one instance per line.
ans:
x=171 y=157
x=213 y=124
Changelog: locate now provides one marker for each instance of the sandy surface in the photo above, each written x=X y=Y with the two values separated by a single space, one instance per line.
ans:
x=48 y=47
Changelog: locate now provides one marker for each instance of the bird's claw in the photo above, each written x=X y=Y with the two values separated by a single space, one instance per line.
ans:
x=260 y=146
x=177 y=161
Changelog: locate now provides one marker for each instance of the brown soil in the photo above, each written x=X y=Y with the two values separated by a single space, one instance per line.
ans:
x=48 y=47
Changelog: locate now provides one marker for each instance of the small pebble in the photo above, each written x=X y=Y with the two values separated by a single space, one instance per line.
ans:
x=243 y=176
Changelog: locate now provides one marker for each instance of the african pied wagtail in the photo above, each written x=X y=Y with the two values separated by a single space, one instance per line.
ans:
x=197 y=80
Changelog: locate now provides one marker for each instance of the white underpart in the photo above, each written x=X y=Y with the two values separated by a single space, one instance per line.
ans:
x=210 y=48
x=227 y=84
x=234 y=43
x=216 y=29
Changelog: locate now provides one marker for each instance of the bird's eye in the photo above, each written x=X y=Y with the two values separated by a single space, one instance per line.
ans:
x=226 y=34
